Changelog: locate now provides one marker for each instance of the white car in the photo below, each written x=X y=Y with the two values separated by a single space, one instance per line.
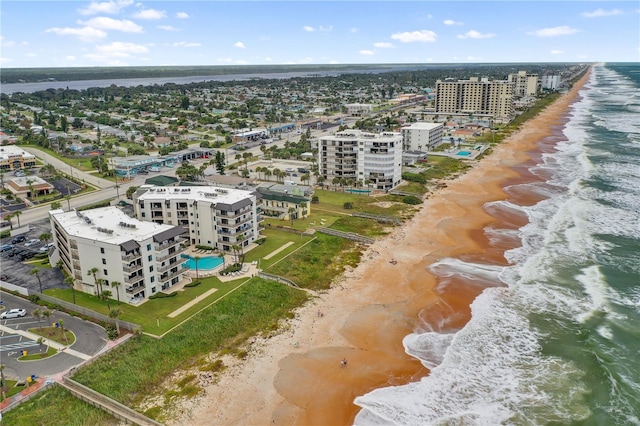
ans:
x=13 y=313
x=32 y=242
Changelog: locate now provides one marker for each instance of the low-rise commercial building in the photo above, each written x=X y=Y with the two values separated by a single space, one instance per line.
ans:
x=14 y=158
x=213 y=216
x=104 y=249
x=285 y=201
x=359 y=110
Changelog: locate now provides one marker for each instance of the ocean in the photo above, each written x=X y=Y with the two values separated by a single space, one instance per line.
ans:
x=554 y=336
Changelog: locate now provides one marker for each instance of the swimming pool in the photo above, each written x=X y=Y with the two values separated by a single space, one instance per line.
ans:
x=358 y=191
x=463 y=153
x=204 y=263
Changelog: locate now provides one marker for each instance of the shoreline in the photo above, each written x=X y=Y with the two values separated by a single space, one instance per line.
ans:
x=375 y=305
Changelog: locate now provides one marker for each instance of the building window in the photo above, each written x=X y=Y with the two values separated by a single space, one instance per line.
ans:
x=143 y=214
x=102 y=250
x=153 y=289
x=153 y=279
x=150 y=258
x=105 y=272
x=104 y=261
x=151 y=268
x=148 y=247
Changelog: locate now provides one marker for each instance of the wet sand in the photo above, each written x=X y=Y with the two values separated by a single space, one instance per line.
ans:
x=369 y=311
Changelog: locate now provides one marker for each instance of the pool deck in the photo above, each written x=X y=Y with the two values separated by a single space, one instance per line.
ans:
x=248 y=270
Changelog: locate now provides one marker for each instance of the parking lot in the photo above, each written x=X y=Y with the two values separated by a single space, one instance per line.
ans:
x=18 y=272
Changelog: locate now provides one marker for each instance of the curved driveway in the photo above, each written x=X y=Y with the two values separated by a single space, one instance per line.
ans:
x=90 y=340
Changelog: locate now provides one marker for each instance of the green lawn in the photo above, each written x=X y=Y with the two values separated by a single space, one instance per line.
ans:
x=56 y=406
x=152 y=315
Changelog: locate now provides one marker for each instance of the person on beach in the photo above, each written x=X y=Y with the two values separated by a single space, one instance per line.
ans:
x=343 y=363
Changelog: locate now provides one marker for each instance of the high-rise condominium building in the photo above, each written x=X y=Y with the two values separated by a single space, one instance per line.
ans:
x=474 y=96
x=215 y=217
x=373 y=159
x=525 y=84
x=104 y=249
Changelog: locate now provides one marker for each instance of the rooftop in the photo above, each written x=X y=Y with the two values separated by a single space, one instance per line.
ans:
x=7 y=151
x=197 y=193
x=423 y=126
x=108 y=224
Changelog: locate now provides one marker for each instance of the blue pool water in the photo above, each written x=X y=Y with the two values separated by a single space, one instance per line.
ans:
x=359 y=191
x=463 y=153
x=204 y=263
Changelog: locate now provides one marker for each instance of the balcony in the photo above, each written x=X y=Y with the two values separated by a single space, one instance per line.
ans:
x=177 y=251
x=134 y=289
x=131 y=268
x=165 y=244
x=134 y=279
x=171 y=275
x=165 y=268
x=130 y=257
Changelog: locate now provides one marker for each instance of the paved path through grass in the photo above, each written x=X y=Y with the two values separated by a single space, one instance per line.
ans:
x=273 y=253
x=193 y=302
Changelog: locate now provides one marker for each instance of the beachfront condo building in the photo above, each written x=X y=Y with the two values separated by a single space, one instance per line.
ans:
x=475 y=96
x=213 y=216
x=524 y=84
x=372 y=159
x=286 y=202
x=421 y=136
x=104 y=249
x=550 y=82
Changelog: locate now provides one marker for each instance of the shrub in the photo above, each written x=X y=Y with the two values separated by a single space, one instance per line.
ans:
x=193 y=284
x=5 y=234
x=315 y=199
x=410 y=199
x=348 y=205
x=162 y=295
x=414 y=177
x=112 y=332
x=260 y=241
x=33 y=298
x=201 y=247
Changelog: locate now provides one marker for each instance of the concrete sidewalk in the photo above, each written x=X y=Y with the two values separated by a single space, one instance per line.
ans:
x=48 y=342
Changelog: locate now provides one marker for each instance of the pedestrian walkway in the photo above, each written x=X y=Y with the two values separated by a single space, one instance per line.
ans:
x=49 y=342
x=186 y=306
x=273 y=253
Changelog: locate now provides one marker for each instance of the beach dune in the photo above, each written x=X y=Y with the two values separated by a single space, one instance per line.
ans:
x=296 y=377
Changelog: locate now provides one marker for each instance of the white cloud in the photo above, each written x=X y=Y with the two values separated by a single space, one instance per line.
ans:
x=308 y=28
x=5 y=60
x=422 y=36
x=383 y=45
x=70 y=58
x=601 y=12
x=582 y=56
x=333 y=62
x=182 y=15
x=554 y=31
x=475 y=34
x=474 y=58
x=116 y=53
x=353 y=30
x=110 y=7
x=84 y=33
x=167 y=28
x=106 y=23
x=365 y=52
x=556 y=52
x=268 y=59
x=6 y=43
x=150 y=14
x=186 y=44
x=451 y=22
x=325 y=29
x=239 y=45
x=31 y=55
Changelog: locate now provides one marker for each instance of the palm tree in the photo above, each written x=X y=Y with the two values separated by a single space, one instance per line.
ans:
x=8 y=218
x=64 y=333
x=115 y=314
x=70 y=282
x=224 y=263
x=36 y=314
x=36 y=272
x=68 y=196
x=46 y=314
x=104 y=296
x=45 y=236
x=93 y=271
x=292 y=210
x=17 y=214
x=197 y=259
x=116 y=284
x=56 y=205
x=2 y=386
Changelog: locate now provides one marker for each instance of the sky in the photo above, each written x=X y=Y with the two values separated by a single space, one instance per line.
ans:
x=160 y=33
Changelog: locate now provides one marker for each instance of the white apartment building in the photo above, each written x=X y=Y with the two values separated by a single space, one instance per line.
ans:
x=550 y=82
x=213 y=216
x=141 y=258
x=525 y=84
x=421 y=136
x=363 y=157
x=474 y=96
x=359 y=110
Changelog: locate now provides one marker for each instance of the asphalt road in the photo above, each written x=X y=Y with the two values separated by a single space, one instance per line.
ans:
x=90 y=340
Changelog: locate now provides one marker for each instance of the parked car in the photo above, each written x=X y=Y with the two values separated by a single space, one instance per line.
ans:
x=13 y=313
x=32 y=242
x=45 y=248
x=6 y=247
x=27 y=255
x=18 y=239
x=303 y=170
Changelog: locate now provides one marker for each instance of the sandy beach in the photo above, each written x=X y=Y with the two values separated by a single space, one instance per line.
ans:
x=296 y=378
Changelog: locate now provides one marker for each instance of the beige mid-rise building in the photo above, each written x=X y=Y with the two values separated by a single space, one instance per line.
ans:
x=525 y=84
